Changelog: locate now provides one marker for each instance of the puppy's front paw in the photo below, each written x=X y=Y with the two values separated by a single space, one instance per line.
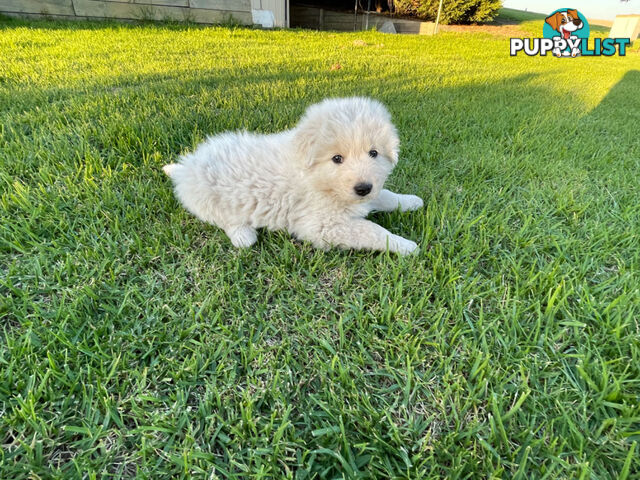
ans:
x=410 y=202
x=243 y=237
x=403 y=246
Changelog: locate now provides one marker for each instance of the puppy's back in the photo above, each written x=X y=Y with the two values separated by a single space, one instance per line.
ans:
x=235 y=177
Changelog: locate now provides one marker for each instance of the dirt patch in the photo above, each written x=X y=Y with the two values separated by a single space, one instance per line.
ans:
x=499 y=30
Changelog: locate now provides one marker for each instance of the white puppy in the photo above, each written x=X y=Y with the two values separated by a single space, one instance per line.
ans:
x=317 y=181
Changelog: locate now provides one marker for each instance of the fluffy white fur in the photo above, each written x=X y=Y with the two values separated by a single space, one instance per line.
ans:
x=290 y=180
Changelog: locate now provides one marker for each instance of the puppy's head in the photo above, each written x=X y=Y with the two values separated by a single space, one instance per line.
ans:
x=348 y=146
x=565 y=22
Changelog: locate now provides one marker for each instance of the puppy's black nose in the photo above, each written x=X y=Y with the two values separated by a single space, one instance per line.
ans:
x=363 y=189
x=577 y=22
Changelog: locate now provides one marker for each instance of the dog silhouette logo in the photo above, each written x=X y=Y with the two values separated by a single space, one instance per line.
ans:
x=569 y=25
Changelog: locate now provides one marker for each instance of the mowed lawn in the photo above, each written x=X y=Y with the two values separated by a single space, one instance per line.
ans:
x=136 y=342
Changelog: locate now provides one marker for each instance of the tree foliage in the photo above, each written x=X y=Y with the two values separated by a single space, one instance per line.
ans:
x=453 y=11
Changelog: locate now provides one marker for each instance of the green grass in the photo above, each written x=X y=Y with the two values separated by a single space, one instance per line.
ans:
x=517 y=16
x=510 y=16
x=136 y=342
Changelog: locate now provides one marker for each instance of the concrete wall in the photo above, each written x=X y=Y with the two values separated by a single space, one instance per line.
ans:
x=199 y=11
x=320 y=19
x=626 y=26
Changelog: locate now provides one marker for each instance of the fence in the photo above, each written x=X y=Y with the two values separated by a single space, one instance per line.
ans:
x=321 y=19
x=199 y=11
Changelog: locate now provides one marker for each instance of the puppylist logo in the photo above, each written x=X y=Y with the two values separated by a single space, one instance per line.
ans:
x=566 y=34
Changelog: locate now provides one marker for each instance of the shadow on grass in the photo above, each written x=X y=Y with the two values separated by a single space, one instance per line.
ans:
x=162 y=91
x=619 y=110
x=434 y=122
x=612 y=127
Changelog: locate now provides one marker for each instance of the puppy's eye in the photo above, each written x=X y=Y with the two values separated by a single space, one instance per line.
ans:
x=337 y=159
x=373 y=153
x=564 y=20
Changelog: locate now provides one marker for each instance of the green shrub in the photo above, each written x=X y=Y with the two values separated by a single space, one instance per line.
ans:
x=453 y=11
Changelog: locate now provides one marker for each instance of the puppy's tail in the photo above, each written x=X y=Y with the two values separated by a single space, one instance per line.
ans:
x=171 y=168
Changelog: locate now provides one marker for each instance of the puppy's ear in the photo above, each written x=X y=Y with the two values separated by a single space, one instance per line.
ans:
x=392 y=144
x=554 y=20
x=574 y=14
x=394 y=157
x=307 y=134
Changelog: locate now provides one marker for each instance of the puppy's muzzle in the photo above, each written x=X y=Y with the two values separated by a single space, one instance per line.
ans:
x=577 y=22
x=363 y=189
